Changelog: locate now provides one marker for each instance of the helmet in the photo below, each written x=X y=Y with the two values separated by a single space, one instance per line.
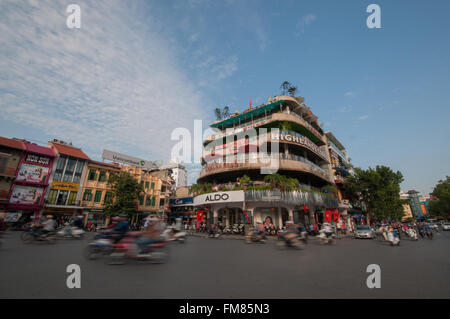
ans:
x=49 y=216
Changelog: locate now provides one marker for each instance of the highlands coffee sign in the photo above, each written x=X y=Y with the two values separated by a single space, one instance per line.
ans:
x=219 y=197
x=125 y=159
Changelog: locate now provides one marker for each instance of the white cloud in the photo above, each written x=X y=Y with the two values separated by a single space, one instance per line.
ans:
x=304 y=22
x=111 y=84
x=350 y=94
x=363 y=117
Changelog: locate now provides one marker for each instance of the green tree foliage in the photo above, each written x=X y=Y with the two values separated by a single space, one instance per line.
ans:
x=282 y=182
x=126 y=191
x=287 y=88
x=378 y=189
x=440 y=206
x=222 y=114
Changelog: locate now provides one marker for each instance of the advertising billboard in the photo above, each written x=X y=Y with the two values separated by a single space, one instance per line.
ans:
x=26 y=195
x=125 y=159
x=32 y=173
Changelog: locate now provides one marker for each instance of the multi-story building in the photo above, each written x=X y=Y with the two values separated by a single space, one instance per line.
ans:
x=32 y=180
x=340 y=164
x=66 y=182
x=281 y=137
x=178 y=174
x=10 y=154
x=96 y=190
x=414 y=202
x=157 y=190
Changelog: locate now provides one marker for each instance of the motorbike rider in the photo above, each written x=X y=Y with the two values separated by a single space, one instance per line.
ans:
x=259 y=229
x=150 y=235
x=48 y=226
x=327 y=229
x=121 y=229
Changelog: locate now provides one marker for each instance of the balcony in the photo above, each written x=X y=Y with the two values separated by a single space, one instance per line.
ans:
x=253 y=161
x=275 y=117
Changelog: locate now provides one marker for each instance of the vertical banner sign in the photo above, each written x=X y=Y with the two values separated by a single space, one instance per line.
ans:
x=246 y=216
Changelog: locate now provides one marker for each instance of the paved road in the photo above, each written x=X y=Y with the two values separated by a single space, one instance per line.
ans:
x=227 y=268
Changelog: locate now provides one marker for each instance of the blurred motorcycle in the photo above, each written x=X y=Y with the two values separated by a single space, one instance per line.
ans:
x=36 y=234
x=289 y=240
x=71 y=232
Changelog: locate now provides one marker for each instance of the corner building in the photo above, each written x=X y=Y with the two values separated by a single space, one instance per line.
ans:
x=285 y=124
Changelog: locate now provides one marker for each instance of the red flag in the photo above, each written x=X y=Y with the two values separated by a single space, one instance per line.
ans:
x=305 y=208
x=250 y=105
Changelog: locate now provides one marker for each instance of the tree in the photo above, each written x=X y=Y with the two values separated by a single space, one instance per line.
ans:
x=378 y=189
x=222 y=114
x=126 y=191
x=288 y=89
x=440 y=204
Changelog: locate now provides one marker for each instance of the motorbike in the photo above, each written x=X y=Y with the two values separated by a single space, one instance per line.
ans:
x=127 y=249
x=170 y=234
x=327 y=240
x=412 y=234
x=35 y=234
x=71 y=232
x=255 y=238
x=393 y=240
x=429 y=233
x=227 y=230
x=289 y=240
x=270 y=230
x=215 y=234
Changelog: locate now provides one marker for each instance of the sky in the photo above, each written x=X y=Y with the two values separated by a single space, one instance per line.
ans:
x=136 y=70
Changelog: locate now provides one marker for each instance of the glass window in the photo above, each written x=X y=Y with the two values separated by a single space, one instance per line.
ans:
x=147 y=201
x=102 y=176
x=141 y=200
x=52 y=196
x=59 y=168
x=62 y=197
x=87 y=196
x=153 y=201
x=92 y=175
x=153 y=186
x=108 y=197
x=78 y=171
x=146 y=185
x=98 y=196
x=68 y=173
x=72 y=198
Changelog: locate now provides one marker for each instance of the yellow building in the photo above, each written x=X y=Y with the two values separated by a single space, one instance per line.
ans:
x=96 y=190
x=157 y=190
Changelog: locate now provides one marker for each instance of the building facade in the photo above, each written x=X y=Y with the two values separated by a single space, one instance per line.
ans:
x=282 y=137
x=11 y=152
x=97 y=192
x=67 y=180
x=32 y=180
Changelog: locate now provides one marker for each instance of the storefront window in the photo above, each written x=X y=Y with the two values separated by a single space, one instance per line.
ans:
x=52 y=196
x=62 y=198
x=72 y=198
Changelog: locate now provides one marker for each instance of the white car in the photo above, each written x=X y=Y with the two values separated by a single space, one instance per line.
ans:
x=446 y=226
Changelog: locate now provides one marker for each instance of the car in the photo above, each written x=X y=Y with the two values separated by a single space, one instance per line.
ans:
x=446 y=226
x=364 y=231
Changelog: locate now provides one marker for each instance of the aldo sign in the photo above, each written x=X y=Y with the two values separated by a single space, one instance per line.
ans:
x=219 y=197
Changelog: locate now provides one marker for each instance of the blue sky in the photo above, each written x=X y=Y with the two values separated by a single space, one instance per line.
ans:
x=138 y=69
